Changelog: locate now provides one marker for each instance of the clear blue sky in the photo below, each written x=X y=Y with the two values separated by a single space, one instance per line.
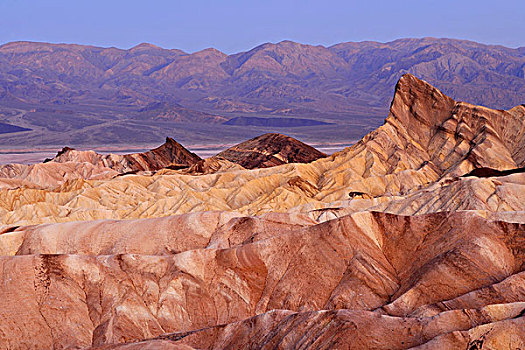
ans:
x=233 y=26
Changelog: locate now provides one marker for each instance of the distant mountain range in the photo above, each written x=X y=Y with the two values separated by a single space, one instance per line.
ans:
x=147 y=83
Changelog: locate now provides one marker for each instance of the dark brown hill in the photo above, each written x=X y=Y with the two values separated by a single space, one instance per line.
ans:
x=270 y=150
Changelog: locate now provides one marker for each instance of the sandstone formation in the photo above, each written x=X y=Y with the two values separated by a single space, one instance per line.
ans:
x=414 y=160
x=50 y=175
x=385 y=245
x=70 y=165
x=367 y=280
x=168 y=159
x=270 y=150
x=170 y=154
x=210 y=166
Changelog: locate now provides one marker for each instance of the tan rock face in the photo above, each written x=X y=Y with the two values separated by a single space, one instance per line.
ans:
x=51 y=175
x=208 y=166
x=381 y=246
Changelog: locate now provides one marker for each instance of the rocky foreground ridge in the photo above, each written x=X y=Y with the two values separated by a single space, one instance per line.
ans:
x=385 y=245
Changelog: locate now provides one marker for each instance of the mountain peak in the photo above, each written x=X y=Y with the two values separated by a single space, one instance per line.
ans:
x=170 y=140
x=210 y=51
x=417 y=104
x=172 y=152
x=411 y=81
x=143 y=46
x=427 y=129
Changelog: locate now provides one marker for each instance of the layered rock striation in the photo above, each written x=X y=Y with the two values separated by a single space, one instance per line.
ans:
x=427 y=142
x=215 y=280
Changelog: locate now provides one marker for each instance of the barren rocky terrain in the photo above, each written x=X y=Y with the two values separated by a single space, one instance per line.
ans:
x=413 y=238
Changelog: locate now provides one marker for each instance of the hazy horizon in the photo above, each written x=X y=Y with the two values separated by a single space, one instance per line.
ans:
x=257 y=45
x=232 y=26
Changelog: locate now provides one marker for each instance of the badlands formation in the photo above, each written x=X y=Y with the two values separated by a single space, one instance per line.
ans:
x=385 y=245
x=270 y=150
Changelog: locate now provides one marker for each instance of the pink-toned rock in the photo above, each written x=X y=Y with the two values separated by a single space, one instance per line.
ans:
x=381 y=271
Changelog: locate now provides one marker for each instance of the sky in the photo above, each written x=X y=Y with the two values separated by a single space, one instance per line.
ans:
x=234 y=25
